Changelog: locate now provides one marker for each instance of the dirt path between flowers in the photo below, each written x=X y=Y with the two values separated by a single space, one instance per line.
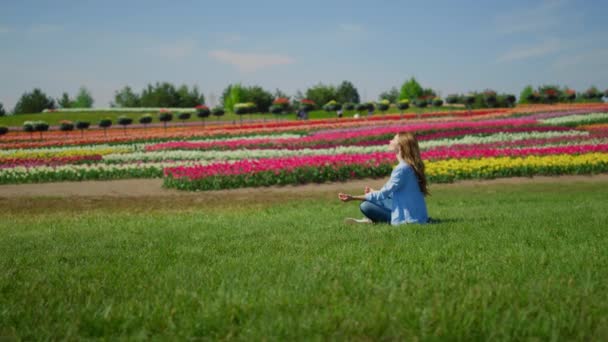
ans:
x=133 y=188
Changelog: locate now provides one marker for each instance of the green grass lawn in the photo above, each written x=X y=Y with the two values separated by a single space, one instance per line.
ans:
x=509 y=262
x=94 y=117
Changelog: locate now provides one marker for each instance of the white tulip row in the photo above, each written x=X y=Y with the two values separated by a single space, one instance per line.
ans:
x=274 y=153
x=87 y=172
x=582 y=118
x=134 y=147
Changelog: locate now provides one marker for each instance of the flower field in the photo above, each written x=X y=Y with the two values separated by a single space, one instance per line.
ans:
x=456 y=145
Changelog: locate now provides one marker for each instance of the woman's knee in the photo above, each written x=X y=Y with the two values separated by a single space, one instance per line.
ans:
x=366 y=207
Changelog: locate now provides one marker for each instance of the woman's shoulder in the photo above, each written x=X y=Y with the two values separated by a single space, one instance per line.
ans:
x=403 y=166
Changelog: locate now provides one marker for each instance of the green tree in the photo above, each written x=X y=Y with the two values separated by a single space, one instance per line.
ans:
x=321 y=93
x=391 y=95
x=65 y=101
x=411 y=90
x=259 y=96
x=346 y=92
x=2 y=111
x=428 y=94
x=525 y=94
x=34 y=102
x=83 y=99
x=126 y=98
x=160 y=95
x=232 y=95
x=189 y=98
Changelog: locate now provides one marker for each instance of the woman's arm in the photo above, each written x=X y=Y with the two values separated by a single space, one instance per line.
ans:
x=346 y=197
x=396 y=181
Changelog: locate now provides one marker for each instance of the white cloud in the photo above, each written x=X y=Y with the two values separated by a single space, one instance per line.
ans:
x=249 y=62
x=44 y=28
x=532 y=51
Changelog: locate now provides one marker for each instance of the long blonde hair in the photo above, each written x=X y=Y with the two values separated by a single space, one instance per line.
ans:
x=409 y=152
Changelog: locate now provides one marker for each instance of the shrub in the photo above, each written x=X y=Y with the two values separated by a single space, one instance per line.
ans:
x=105 y=123
x=421 y=103
x=403 y=105
x=452 y=99
x=202 y=111
x=533 y=97
x=165 y=117
x=383 y=105
x=361 y=106
x=145 y=119
x=510 y=100
x=275 y=109
x=244 y=108
x=307 y=105
x=489 y=97
x=348 y=106
x=592 y=93
x=437 y=102
x=468 y=100
x=281 y=101
x=550 y=96
x=28 y=126
x=332 y=106
x=218 y=111
x=3 y=130
x=370 y=107
x=82 y=125
x=183 y=117
x=66 y=125
x=41 y=126
x=569 y=95
x=279 y=105
x=125 y=121
x=35 y=126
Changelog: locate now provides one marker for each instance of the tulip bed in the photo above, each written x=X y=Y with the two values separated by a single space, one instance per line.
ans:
x=461 y=145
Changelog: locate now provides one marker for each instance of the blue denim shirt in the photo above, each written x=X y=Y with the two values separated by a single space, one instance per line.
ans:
x=408 y=205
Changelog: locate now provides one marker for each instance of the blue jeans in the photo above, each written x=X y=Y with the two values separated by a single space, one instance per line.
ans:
x=375 y=212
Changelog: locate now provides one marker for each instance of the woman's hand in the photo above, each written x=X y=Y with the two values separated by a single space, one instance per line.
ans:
x=345 y=197
x=368 y=190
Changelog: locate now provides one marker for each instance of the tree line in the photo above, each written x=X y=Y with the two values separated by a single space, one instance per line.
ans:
x=167 y=95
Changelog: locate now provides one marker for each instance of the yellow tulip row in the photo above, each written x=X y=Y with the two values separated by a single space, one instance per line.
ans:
x=41 y=153
x=452 y=169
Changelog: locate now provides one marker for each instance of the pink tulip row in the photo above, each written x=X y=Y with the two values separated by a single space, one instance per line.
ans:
x=250 y=166
x=355 y=137
x=287 y=164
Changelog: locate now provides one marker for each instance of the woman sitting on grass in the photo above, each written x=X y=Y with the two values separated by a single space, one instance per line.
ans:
x=401 y=199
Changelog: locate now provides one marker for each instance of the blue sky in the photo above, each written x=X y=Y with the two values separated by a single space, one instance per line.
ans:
x=450 y=46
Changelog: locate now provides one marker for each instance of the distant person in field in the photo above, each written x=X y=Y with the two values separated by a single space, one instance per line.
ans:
x=401 y=199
